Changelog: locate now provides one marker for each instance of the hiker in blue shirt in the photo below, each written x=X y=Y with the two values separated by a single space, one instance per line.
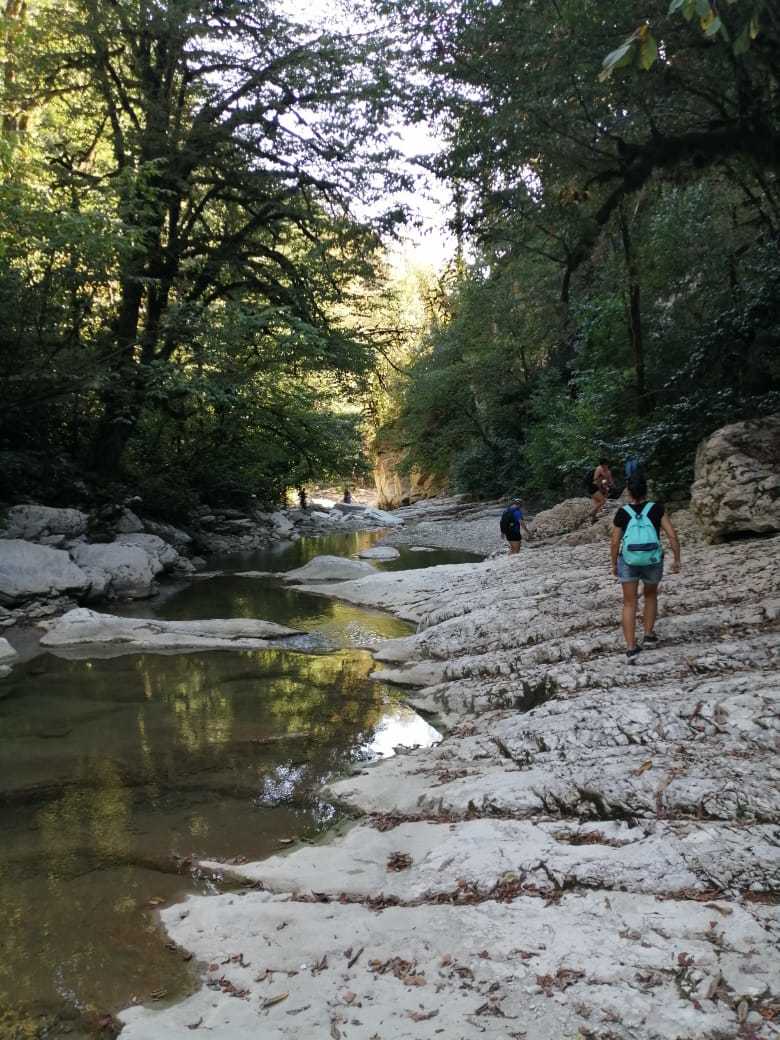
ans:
x=511 y=523
x=637 y=556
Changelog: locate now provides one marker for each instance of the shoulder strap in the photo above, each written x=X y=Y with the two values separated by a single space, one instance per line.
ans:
x=647 y=507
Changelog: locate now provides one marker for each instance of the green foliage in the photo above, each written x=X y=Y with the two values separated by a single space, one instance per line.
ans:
x=624 y=233
x=179 y=259
x=743 y=25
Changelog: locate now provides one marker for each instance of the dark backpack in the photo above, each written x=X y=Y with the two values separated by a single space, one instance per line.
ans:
x=587 y=480
x=509 y=524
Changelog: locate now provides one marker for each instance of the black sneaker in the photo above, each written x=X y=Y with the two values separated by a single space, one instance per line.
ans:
x=650 y=640
x=631 y=655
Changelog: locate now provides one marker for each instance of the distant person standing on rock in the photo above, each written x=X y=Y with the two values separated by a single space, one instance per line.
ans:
x=511 y=523
x=601 y=484
x=637 y=556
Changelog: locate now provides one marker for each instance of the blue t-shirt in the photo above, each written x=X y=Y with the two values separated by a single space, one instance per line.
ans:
x=510 y=522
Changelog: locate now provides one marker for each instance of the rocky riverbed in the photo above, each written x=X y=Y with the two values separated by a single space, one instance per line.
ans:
x=52 y=559
x=591 y=852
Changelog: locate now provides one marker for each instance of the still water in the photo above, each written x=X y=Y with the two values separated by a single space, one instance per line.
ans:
x=116 y=775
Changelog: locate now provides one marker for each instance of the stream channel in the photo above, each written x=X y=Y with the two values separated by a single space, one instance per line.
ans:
x=117 y=774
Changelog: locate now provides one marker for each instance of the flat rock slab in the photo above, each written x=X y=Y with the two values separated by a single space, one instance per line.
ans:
x=423 y=860
x=379 y=552
x=530 y=969
x=82 y=626
x=591 y=852
x=328 y=568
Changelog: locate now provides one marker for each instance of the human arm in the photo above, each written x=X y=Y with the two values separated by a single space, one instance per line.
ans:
x=614 y=547
x=674 y=541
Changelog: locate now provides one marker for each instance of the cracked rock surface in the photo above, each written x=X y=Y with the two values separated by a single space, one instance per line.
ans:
x=592 y=851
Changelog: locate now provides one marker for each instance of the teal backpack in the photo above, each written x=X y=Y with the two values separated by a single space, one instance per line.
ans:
x=641 y=546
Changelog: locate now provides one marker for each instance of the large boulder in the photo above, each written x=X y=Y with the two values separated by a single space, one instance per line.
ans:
x=34 y=523
x=29 y=571
x=281 y=524
x=329 y=568
x=179 y=539
x=736 y=485
x=117 y=570
x=163 y=552
x=563 y=518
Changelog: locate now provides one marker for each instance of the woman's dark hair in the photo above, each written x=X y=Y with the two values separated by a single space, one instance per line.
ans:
x=603 y=462
x=637 y=485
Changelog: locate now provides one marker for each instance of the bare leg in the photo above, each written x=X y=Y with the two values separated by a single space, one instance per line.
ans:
x=629 y=613
x=651 y=607
x=514 y=547
x=598 y=501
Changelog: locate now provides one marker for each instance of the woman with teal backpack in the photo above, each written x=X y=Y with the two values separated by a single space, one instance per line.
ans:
x=637 y=556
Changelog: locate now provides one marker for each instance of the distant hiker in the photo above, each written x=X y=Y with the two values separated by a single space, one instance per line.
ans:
x=302 y=497
x=347 y=496
x=637 y=556
x=511 y=523
x=601 y=484
x=632 y=467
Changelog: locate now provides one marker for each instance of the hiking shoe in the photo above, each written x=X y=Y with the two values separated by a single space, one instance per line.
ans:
x=631 y=655
x=650 y=640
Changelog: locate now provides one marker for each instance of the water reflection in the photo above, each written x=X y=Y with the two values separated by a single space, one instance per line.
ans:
x=116 y=773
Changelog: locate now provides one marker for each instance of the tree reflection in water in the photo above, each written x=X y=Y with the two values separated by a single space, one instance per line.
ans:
x=116 y=773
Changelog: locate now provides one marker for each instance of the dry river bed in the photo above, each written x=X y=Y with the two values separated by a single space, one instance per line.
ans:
x=591 y=852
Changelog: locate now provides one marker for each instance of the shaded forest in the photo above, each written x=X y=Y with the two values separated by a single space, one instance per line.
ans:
x=615 y=171
x=197 y=199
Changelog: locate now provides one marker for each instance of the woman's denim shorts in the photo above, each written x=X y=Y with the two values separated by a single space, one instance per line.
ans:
x=650 y=574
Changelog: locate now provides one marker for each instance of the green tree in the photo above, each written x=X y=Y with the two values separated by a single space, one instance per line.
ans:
x=184 y=198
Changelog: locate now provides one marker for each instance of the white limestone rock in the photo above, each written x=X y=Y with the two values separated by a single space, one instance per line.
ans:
x=35 y=522
x=282 y=525
x=163 y=552
x=563 y=518
x=525 y=968
x=84 y=627
x=117 y=570
x=7 y=653
x=179 y=539
x=29 y=571
x=652 y=858
x=737 y=479
x=328 y=568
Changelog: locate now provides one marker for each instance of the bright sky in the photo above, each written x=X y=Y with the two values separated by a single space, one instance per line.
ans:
x=430 y=243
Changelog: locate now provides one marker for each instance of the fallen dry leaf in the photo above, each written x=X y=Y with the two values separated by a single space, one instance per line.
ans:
x=643 y=768
x=274 y=1000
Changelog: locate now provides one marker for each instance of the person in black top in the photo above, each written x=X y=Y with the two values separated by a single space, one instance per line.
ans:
x=650 y=575
x=511 y=523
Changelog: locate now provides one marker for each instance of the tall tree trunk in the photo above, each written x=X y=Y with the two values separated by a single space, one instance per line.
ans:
x=634 y=314
x=123 y=396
